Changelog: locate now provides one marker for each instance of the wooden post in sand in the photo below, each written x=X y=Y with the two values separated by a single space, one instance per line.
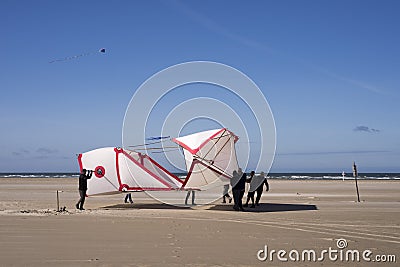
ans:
x=58 y=202
x=355 y=174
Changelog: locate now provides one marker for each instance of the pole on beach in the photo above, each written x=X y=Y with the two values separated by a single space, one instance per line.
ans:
x=355 y=174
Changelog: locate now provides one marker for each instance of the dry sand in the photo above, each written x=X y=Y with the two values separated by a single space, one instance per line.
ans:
x=295 y=215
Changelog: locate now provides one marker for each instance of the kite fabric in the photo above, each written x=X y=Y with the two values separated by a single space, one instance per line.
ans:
x=210 y=158
x=117 y=169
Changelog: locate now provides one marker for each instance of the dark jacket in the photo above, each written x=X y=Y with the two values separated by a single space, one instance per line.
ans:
x=260 y=188
x=83 y=180
x=242 y=183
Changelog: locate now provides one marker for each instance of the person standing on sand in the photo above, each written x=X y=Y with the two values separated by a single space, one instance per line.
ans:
x=234 y=180
x=128 y=197
x=225 y=194
x=238 y=189
x=83 y=177
x=262 y=180
x=193 y=197
x=252 y=190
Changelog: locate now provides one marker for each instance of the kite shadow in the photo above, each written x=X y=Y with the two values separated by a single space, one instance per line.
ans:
x=157 y=206
x=269 y=207
x=263 y=207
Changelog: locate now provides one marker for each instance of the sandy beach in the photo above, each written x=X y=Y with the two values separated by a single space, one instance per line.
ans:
x=294 y=215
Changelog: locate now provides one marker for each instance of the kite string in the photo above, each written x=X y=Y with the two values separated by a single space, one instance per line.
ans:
x=105 y=177
x=69 y=58
x=211 y=166
x=227 y=141
x=102 y=50
x=147 y=144
x=215 y=143
x=169 y=150
x=154 y=148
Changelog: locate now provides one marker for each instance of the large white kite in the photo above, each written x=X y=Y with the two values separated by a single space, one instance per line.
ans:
x=210 y=158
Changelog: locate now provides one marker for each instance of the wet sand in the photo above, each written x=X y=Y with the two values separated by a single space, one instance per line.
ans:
x=294 y=215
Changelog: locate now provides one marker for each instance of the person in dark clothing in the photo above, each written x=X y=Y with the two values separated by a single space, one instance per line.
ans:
x=242 y=186
x=250 y=194
x=225 y=194
x=83 y=177
x=238 y=189
x=193 y=197
x=128 y=197
x=234 y=180
x=261 y=187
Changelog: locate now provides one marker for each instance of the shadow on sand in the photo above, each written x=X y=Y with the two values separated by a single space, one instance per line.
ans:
x=157 y=206
x=269 y=207
x=264 y=207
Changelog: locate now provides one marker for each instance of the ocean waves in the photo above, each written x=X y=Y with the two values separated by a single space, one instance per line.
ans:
x=283 y=176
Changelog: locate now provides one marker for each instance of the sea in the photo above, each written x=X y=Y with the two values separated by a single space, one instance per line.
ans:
x=284 y=176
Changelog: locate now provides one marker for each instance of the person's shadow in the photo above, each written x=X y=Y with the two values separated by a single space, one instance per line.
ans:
x=269 y=207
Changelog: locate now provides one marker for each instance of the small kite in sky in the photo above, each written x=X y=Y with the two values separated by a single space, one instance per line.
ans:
x=102 y=50
x=157 y=138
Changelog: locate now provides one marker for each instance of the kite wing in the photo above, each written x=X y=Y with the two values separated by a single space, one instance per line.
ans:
x=116 y=170
x=102 y=161
x=210 y=157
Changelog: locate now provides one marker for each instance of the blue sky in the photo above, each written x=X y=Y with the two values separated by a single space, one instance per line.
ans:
x=325 y=67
